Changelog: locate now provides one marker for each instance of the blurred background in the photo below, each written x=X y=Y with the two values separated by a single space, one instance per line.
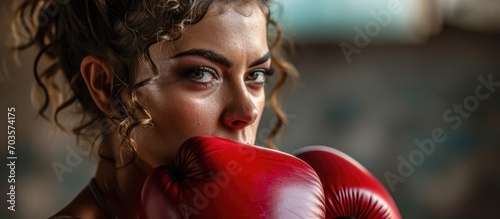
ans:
x=377 y=77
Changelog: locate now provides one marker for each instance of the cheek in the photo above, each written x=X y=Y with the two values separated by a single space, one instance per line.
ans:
x=176 y=118
x=185 y=116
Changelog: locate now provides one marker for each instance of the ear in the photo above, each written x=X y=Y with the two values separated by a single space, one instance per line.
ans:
x=98 y=76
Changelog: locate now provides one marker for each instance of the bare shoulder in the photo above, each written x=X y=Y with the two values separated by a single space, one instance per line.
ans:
x=82 y=207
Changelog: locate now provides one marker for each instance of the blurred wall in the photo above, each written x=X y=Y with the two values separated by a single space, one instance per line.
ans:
x=389 y=98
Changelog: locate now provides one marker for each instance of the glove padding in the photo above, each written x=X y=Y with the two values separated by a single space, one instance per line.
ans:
x=217 y=178
x=351 y=191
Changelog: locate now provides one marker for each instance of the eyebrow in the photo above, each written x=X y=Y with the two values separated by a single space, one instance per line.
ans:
x=263 y=59
x=216 y=57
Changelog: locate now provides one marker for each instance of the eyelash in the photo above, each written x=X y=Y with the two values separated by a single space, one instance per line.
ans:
x=201 y=69
x=267 y=73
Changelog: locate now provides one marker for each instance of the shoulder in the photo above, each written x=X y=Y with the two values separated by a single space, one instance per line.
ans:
x=82 y=207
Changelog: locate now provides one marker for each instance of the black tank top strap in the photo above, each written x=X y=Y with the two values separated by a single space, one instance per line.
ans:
x=96 y=192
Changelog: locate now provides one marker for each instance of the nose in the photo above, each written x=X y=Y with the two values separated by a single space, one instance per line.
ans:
x=241 y=110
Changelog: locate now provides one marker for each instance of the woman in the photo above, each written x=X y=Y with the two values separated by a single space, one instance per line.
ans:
x=148 y=75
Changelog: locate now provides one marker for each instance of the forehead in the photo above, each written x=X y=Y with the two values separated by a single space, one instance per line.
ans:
x=228 y=28
x=231 y=18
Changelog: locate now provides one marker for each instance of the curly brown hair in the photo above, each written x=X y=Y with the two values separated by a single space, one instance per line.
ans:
x=120 y=33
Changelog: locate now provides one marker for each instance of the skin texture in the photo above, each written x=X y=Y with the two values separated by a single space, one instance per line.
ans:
x=228 y=106
x=193 y=95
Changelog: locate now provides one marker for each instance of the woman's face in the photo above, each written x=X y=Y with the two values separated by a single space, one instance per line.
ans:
x=211 y=82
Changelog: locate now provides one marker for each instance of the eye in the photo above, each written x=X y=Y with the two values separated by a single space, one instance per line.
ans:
x=259 y=76
x=204 y=76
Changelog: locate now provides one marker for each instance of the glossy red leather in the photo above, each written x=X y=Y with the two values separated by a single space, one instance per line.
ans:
x=351 y=191
x=217 y=178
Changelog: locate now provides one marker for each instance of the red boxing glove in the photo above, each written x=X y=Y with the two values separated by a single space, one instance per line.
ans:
x=350 y=190
x=217 y=178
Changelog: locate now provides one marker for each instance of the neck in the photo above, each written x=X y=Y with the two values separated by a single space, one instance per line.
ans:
x=120 y=185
